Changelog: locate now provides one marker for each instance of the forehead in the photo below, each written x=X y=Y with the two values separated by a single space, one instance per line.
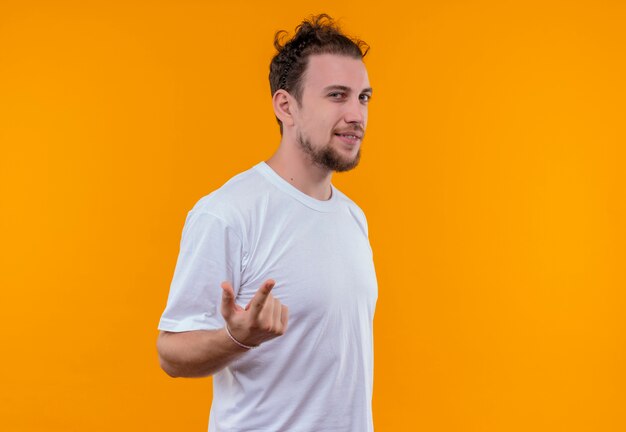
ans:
x=324 y=70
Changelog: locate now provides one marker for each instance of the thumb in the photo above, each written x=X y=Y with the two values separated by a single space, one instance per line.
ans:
x=228 y=299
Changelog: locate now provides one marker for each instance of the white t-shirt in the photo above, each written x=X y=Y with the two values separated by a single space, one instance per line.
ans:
x=318 y=375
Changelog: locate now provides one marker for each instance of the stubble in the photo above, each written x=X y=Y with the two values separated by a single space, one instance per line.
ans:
x=327 y=156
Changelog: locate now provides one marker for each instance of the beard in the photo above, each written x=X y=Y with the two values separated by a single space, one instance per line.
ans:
x=327 y=156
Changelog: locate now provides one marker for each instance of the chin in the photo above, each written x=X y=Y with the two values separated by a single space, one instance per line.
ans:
x=343 y=165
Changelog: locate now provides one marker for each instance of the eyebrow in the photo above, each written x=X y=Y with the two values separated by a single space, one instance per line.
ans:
x=346 y=89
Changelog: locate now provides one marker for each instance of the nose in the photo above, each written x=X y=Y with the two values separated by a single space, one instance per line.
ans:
x=356 y=112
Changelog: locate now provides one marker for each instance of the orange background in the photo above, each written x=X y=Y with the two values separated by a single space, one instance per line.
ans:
x=492 y=177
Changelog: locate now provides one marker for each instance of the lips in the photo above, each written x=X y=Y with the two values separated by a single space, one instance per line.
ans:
x=350 y=139
x=349 y=135
x=353 y=132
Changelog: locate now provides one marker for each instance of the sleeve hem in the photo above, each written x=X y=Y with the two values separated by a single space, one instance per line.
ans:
x=186 y=325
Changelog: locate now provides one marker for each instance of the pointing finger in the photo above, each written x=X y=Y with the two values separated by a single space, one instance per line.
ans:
x=228 y=299
x=267 y=313
x=284 y=316
x=277 y=312
x=258 y=301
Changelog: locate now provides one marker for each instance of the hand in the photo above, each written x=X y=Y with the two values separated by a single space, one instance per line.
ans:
x=264 y=318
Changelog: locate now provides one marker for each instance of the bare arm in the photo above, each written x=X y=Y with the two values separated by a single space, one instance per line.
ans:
x=196 y=353
x=203 y=352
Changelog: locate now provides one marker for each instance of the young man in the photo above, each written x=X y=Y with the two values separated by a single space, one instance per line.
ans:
x=288 y=336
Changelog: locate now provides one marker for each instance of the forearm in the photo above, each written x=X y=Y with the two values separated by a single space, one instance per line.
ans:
x=196 y=353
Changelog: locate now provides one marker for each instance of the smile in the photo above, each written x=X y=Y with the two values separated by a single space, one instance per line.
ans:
x=349 y=138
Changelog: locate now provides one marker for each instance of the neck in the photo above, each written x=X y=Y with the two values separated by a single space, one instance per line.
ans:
x=293 y=165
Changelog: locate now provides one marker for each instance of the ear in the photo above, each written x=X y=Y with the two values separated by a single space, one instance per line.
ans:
x=284 y=106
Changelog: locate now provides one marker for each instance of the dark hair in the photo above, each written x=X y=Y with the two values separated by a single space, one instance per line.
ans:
x=317 y=35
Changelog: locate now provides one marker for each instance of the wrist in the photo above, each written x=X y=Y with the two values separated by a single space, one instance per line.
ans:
x=236 y=341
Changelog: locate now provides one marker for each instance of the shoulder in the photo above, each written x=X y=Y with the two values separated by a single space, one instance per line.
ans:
x=351 y=207
x=238 y=203
x=232 y=197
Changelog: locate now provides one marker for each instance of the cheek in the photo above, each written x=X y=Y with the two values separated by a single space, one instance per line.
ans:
x=320 y=125
x=320 y=122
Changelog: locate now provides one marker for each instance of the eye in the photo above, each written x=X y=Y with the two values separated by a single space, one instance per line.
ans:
x=365 y=97
x=336 y=95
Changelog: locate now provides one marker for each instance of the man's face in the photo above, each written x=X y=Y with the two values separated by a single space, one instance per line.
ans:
x=331 y=120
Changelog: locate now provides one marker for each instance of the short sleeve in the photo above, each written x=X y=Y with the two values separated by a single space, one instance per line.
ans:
x=210 y=252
